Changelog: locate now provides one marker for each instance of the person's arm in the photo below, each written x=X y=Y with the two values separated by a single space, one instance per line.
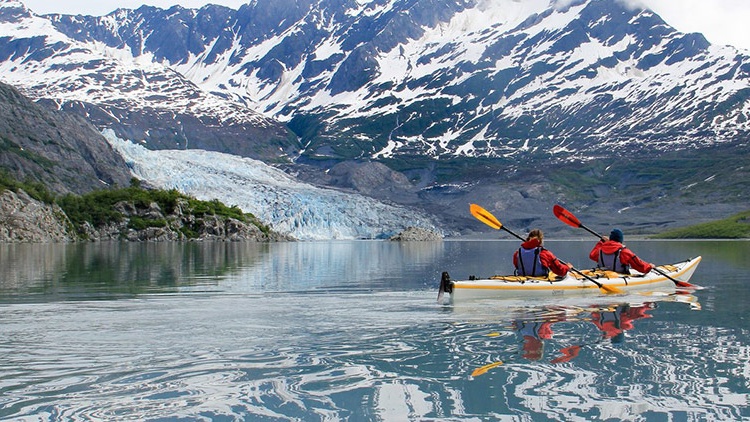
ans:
x=549 y=260
x=627 y=257
x=594 y=255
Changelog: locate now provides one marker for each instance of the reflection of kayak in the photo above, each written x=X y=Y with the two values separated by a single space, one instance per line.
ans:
x=512 y=286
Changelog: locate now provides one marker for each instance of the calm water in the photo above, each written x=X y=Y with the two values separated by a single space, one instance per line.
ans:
x=351 y=331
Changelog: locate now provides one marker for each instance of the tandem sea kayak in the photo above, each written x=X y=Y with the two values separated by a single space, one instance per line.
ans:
x=595 y=281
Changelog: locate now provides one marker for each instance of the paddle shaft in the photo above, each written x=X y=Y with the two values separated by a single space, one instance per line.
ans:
x=677 y=282
x=586 y=277
x=593 y=232
x=514 y=234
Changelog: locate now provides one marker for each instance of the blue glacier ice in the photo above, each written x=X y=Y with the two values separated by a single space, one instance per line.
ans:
x=289 y=206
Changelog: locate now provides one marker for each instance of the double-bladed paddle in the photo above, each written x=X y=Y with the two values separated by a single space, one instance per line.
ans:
x=568 y=218
x=487 y=218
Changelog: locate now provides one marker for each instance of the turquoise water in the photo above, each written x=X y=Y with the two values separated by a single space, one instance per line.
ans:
x=327 y=331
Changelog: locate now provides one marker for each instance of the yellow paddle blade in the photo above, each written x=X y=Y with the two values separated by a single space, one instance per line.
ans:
x=610 y=289
x=483 y=370
x=485 y=216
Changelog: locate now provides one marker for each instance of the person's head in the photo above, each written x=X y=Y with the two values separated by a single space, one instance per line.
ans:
x=616 y=235
x=535 y=234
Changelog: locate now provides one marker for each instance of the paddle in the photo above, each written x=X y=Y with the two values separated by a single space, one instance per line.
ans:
x=487 y=218
x=568 y=218
x=483 y=370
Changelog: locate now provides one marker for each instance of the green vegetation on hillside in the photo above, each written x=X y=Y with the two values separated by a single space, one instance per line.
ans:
x=100 y=207
x=734 y=227
x=35 y=190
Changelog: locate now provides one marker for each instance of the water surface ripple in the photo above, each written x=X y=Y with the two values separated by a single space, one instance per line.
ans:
x=252 y=341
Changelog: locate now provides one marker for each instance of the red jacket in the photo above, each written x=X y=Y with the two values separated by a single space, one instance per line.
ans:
x=627 y=257
x=547 y=258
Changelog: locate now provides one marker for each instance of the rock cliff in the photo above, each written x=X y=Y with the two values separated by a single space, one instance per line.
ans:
x=24 y=219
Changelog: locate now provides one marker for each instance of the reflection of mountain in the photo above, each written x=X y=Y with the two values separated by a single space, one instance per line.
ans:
x=83 y=271
x=115 y=269
x=344 y=349
x=304 y=266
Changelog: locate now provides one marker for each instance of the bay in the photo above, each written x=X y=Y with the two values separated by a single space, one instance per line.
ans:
x=350 y=330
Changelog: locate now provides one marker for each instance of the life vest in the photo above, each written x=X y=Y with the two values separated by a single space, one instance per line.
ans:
x=530 y=263
x=611 y=261
x=533 y=329
x=533 y=333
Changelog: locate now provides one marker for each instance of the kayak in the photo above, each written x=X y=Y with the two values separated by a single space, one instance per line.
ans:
x=596 y=281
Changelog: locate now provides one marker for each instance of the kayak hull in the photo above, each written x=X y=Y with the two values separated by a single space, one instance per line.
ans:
x=570 y=285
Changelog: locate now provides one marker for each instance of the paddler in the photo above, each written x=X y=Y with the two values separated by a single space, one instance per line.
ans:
x=531 y=259
x=613 y=255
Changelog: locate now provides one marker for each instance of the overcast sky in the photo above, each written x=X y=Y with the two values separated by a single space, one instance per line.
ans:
x=721 y=21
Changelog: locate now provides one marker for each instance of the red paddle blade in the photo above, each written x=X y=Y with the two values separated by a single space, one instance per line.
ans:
x=566 y=217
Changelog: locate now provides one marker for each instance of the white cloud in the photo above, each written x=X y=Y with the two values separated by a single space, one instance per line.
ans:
x=721 y=21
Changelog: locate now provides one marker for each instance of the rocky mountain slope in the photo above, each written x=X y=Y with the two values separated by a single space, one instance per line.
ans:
x=515 y=104
x=142 y=101
x=448 y=78
x=58 y=151
x=24 y=219
x=61 y=150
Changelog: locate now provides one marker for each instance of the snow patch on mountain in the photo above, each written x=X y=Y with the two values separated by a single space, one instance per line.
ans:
x=67 y=70
x=301 y=210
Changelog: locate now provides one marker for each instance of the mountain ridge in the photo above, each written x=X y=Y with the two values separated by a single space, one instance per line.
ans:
x=453 y=96
x=305 y=54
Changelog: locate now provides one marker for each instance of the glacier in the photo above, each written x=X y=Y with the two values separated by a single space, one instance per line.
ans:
x=301 y=210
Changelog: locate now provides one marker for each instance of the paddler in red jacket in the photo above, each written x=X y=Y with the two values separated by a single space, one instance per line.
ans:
x=531 y=259
x=614 y=256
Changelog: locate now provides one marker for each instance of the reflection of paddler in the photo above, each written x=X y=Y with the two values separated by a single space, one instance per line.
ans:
x=568 y=353
x=613 y=324
x=533 y=333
